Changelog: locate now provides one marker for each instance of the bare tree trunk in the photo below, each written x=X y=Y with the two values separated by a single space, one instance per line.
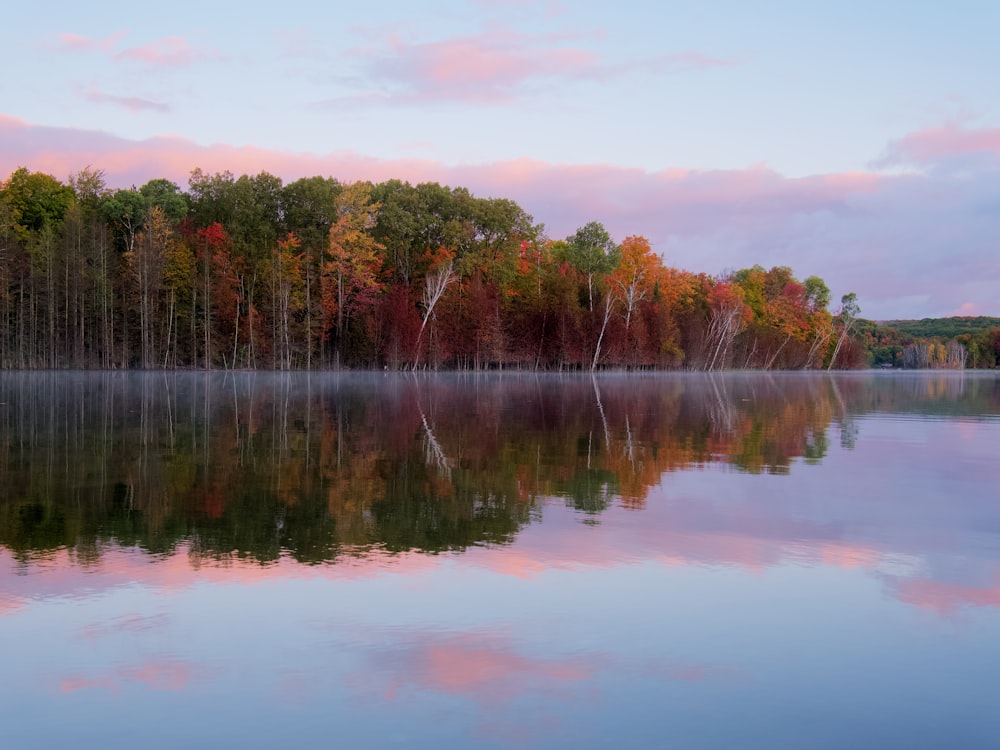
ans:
x=170 y=327
x=818 y=342
x=609 y=301
x=723 y=328
x=840 y=343
x=774 y=356
x=436 y=283
x=309 y=329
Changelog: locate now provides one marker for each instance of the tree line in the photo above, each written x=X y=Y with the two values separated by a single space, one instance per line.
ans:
x=248 y=272
x=932 y=343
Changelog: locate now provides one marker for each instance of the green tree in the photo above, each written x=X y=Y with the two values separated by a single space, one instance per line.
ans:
x=168 y=196
x=126 y=212
x=308 y=207
x=592 y=251
x=817 y=293
x=39 y=200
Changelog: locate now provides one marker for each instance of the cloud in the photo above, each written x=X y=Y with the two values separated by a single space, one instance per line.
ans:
x=490 y=67
x=910 y=245
x=172 y=51
x=934 y=145
x=497 y=66
x=131 y=103
x=77 y=43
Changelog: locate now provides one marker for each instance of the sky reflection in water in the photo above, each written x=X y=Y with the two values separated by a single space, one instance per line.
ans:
x=373 y=561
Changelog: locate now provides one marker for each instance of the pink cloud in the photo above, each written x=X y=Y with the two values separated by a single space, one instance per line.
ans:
x=692 y=199
x=77 y=43
x=479 y=67
x=131 y=103
x=934 y=144
x=172 y=51
x=499 y=65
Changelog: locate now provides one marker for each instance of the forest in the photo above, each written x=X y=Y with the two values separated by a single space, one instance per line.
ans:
x=251 y=273
x=932 y=343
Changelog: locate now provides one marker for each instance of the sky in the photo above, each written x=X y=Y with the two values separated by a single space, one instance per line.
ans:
x=856 y=141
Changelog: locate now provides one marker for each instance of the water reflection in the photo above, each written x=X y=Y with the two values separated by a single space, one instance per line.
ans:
x=506 y=561
x=253 y=465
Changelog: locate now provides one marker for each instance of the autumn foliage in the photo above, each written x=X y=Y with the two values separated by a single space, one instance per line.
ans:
x=250 y=273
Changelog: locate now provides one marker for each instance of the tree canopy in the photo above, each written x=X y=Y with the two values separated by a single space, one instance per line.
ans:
x=246 y=271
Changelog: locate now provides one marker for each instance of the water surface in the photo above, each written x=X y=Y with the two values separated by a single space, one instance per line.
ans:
x=452 y=561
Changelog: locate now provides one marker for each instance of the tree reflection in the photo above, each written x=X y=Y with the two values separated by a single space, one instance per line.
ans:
x=260 y=465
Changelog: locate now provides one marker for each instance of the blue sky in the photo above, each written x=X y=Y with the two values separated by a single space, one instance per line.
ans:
x=856 y=141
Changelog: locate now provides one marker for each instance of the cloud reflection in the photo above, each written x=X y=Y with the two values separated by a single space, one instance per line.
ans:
x=170 y=676
x=501 y=679
x=484 y=668
x=129 y=623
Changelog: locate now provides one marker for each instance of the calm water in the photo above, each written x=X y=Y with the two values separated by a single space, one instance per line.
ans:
x=370 y=561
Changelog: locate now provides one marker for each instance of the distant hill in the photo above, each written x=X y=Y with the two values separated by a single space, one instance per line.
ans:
x=945 y=328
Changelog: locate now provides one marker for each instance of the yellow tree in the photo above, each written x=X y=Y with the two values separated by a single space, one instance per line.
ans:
x=290 y=285
x=351 y=275
x=179 y=279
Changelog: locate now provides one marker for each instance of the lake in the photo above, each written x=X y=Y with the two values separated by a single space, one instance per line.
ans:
x=265 y=560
